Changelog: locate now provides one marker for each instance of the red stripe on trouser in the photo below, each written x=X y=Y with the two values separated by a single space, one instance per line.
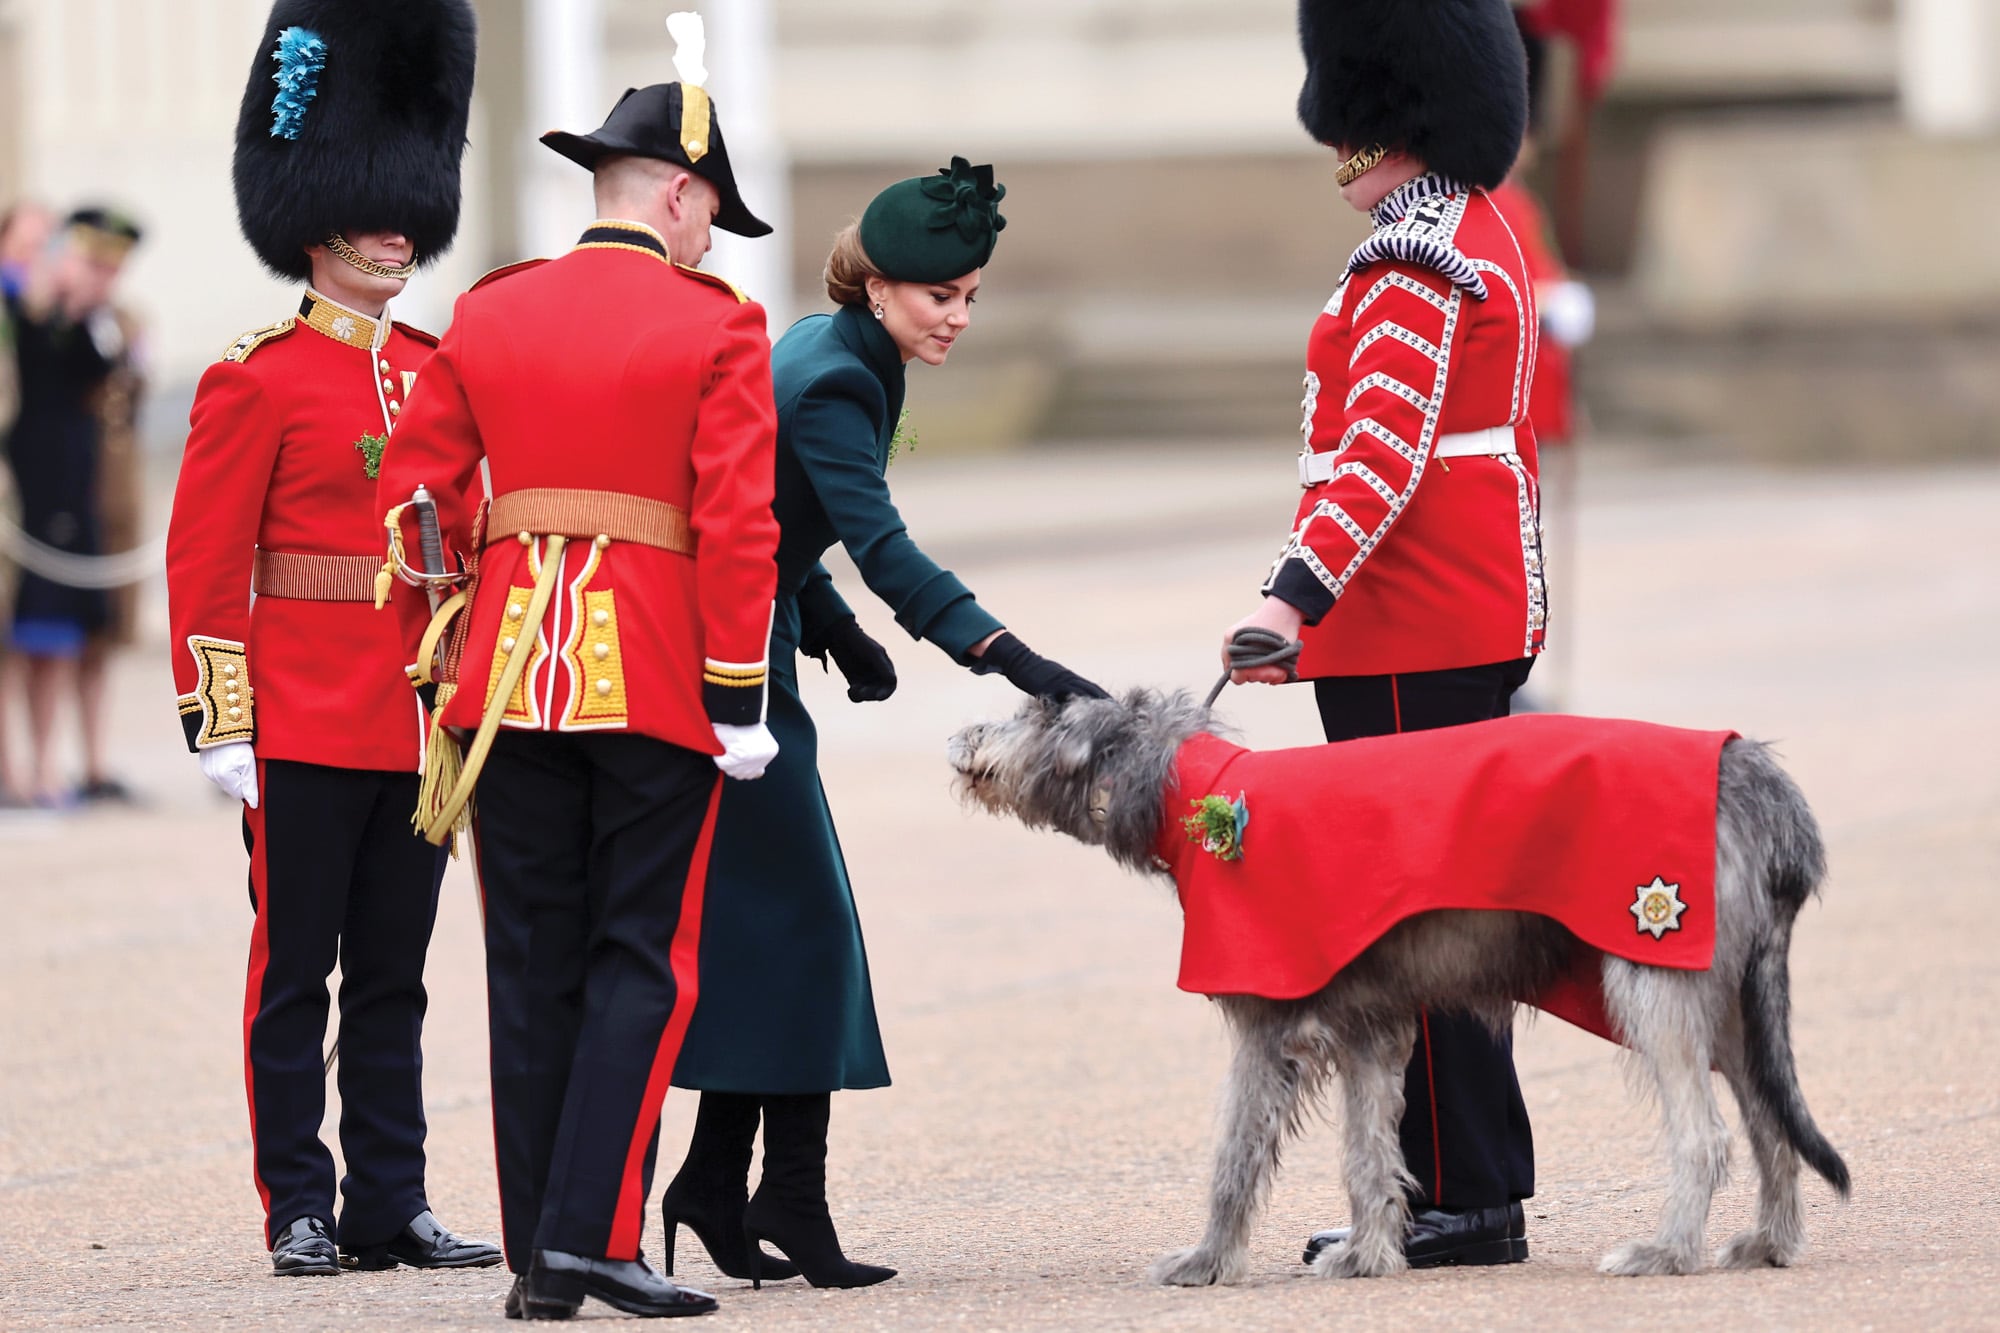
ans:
x=253 y=986
x=684 y=958
x=1423 y=1016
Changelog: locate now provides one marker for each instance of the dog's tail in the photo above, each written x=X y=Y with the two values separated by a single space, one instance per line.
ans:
x=1795 y=866
x=1774 y=1078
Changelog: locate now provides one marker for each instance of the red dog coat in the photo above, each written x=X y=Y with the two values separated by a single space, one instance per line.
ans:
x=1606 y=826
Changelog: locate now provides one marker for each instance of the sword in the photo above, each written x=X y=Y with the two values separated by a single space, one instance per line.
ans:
x=430 y=544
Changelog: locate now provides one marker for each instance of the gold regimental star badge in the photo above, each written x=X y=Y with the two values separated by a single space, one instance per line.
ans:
x=1658 y=909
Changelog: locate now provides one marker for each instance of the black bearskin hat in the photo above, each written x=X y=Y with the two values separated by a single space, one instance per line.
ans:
x=1444 y=80
x=354 y=121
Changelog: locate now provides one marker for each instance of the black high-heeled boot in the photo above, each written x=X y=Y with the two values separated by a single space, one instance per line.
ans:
x=789 y=1208
x=708 y=1193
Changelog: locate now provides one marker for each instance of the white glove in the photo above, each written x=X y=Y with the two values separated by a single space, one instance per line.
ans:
x=233 y=767
x=746 y=751
x=1569 y=312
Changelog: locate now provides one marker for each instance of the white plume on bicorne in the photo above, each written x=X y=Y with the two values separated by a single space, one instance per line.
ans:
x=690 y=47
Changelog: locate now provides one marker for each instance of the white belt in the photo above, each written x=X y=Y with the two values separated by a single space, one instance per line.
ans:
x=1493 y=442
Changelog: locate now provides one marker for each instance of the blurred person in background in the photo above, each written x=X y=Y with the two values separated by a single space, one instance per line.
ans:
x=787 y=1013
x=298 y=705
x=1561 y=88
x=120 y=495
x=25 y=231
x=11 y=795
x=1414 y=570
x=1566 y=307
x=70 y=343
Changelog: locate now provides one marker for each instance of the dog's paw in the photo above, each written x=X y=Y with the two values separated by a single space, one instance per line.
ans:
x=1645 y=1258
x=1754 y=1249
x=1197 y=1267
x=1345 y=1260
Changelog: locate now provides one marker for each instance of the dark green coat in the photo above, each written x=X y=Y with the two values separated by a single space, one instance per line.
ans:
x=785 y=1003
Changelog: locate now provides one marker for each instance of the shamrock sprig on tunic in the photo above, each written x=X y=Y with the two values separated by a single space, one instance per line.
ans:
x=1217 y=824
x=371 y=447
x=903 y=438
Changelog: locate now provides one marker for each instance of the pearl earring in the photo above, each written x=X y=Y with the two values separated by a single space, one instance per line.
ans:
x=878 y=310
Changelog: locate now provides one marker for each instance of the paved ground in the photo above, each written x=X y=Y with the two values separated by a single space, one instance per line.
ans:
x=1048 y=1131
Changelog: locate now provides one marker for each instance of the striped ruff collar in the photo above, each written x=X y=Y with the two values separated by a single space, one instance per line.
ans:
x=1409 y=194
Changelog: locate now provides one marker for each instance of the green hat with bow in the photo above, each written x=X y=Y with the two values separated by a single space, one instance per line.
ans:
x=935 y=228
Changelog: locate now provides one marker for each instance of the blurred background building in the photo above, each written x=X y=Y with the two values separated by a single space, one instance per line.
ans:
x=1785 y=205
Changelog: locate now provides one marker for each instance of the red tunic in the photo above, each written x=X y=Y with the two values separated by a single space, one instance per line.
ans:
x=1403 y=561
x=608 y=370
x=272 y=463
x=1606 y=826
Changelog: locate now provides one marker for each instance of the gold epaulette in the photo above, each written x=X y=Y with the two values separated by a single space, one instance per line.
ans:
x=508 y=270
x=714 y=280
x=241 y=349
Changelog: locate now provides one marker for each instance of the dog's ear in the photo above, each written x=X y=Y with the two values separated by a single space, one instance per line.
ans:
x=1073 y=753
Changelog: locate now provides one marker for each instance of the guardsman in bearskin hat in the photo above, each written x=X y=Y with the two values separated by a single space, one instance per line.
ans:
x=347 y=178
x=1414 y=569
x=610 y=658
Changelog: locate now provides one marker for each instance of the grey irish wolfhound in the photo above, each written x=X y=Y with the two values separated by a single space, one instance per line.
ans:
x=1098 y=770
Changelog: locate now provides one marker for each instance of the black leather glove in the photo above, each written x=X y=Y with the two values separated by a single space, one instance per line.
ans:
x=871 y=676
x=1031 y=673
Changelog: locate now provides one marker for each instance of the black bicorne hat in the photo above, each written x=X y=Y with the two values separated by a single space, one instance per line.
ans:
x=1444 y=80
x=354 y=120
x=648 y=122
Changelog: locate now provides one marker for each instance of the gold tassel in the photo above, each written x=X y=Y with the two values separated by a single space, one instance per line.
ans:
x=443 y=763
x=385 y=577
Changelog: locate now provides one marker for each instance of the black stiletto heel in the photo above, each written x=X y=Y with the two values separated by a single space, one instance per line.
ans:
x=789 y=1209
x=719 y=1238
x=708 y=1194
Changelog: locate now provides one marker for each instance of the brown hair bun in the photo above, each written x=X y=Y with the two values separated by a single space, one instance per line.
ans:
x=848 y=268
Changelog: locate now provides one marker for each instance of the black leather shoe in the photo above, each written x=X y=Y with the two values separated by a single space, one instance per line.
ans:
x=524 y=1302
x=424 y=1243
x=1444 y=1237
x=304 y=1249
x=630 y=1285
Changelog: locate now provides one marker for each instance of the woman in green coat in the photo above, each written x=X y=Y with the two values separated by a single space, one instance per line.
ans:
x=786 y=1015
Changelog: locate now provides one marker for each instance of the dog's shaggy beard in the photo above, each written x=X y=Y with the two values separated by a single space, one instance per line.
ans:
x=1095 y=769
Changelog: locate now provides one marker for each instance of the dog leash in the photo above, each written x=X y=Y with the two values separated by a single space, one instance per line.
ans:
x=1252 y=647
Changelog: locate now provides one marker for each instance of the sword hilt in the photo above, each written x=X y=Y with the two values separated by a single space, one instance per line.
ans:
x=430 y=542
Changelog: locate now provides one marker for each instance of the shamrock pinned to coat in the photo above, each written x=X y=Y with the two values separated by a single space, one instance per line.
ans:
x=371 y=447
x=1217 y=824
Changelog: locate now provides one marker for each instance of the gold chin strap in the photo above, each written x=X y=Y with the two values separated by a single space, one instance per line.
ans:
x=355 y=259
x=1363 y=162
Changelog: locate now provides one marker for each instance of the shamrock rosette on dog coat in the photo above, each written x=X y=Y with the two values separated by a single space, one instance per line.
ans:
x=1607 y=827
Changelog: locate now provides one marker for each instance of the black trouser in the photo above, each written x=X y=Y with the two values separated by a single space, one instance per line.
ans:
x=1465 y=1129
x=337 y=871
x=593 y=853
